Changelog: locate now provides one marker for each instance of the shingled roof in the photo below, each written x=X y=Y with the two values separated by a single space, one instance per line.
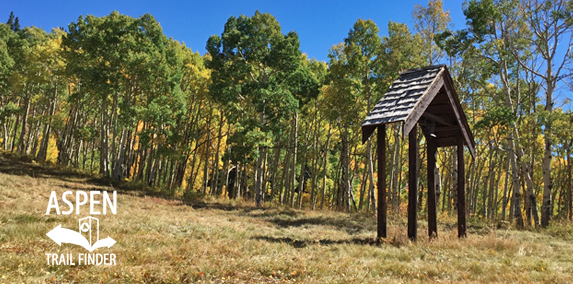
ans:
x=427 y=95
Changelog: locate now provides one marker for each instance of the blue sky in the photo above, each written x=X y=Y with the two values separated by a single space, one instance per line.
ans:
x=319 y=24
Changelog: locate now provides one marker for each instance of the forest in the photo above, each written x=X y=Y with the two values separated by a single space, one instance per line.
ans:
x=254 y=118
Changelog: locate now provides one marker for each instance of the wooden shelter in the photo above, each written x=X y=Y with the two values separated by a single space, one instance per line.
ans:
x=426 y=97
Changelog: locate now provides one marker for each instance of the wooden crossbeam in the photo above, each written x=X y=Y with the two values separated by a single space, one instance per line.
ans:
x=436 y=118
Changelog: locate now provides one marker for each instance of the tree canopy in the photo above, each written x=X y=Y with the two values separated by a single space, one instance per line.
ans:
x=255 y=118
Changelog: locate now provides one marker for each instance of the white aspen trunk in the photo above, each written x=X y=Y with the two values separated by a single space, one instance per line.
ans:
x=516 y=201
x=301 y=184
x=546 y=206
x=207 y=155
x=238 y=180
x=314 y=162
x=294 y=154
x=277 y=153
x=259 y=172
x=396 y=171
x=325 y=164
x=256 y=179
x=345 y=163
x=21 y=141
x=119 y=161
x=514 y=151
x=5 y=130
x=104 y=141
x=505 y=188
x=370 y=168
x=113 y=127
x=215 y=168
x=286 y=176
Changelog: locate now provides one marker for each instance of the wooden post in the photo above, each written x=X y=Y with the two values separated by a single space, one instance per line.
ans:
x=432 y=222
x=412 y=186
x=381 y=233
x=461 y=190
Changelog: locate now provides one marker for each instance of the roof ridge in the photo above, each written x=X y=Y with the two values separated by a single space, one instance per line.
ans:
x=423 y=68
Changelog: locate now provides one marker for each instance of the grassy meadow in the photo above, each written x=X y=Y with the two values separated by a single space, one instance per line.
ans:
x=219 y=241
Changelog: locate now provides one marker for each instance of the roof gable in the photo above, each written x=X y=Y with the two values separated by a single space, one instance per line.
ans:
x=427 y=96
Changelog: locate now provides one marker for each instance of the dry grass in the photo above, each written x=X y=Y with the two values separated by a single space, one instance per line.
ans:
x=165 y=241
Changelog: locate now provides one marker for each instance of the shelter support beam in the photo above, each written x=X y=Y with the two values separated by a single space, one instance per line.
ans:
x=381 y=230
x=461 y=190
x=412 y=184
x=432 y=215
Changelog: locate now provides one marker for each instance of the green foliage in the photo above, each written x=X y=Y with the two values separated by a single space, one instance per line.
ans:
x=401 y=51
x=452 y=42
x=428 y=22
x=9 y=109
x=6 y=60
x=481 y=16
x=497 y=116
x=130 y=63
x=254 y=63
x=259 y=75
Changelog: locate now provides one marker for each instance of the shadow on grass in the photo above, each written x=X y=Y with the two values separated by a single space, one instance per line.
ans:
x=18 y=165
x=303 y=243
x=351 y=226
x=13 y=164
x=287 y=217
x=199 y=204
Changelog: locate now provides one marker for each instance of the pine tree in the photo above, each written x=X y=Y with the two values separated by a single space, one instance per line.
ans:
x=13 y=22
x=10 y=21
x=16 y=25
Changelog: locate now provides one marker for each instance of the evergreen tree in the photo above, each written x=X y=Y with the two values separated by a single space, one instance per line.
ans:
x=13 y=22
x=16 y=25
x=10 y=21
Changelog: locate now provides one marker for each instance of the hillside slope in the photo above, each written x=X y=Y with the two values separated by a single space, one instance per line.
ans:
x=166 y=241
